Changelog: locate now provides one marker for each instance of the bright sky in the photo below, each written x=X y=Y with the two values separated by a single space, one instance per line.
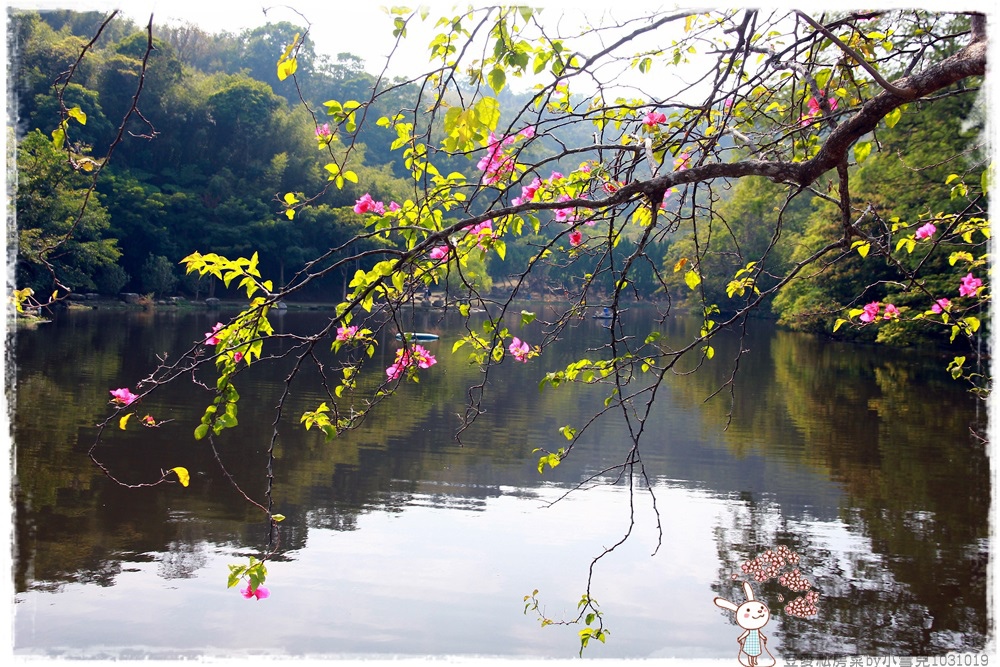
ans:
x=356 y=27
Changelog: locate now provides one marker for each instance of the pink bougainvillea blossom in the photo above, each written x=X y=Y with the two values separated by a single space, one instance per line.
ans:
x=345 y=334
x=575 y=238
x=666 y=196
x=367 y=205
x=565 y=214
x=148 y=421
x=438 y=253
x=259 y=593
x=238 y=357
x=519 y=349
x=941 y=305
x=891 y=312
x=527 y=192
x=970 y=285
x=653 y=118
x=527 y=133
x=925 y=231
x=815 y=109
x=728 y=104
x=416 y=356
x=682 y=161
x=393 y=207
x=496 y=164
x=871 y=312
x=123 y=396
x=210 y=337
x=483 y=229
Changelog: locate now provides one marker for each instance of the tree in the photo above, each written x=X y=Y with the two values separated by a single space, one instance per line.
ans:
x=798 y=100
x=62 y=236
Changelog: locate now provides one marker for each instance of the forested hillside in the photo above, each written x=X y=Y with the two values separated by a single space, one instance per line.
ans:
x=220 y=140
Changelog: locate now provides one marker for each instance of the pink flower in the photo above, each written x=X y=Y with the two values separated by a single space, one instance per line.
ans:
x=556 y=176
x=681 y=162
x=424 y=358
x=728 y=104
x=815 y=109
x=575 y=238
x=891 y=312
x=210 y=337
x=484 y=228
x=970 y=285
x=652 y=119
x=238 y=357
x=345 y=334
x=148 y=421
x=496 y=164
x=260 y=593
x=519 y=349
x=941 y=305
x=871 y=312
x=393 y=207
x=418 y=356
x=612 y=188
x=527 y=192
x=440 y=252
x=323 y=132
x=367 y=205
x=565 y=214
x=123 y=396
x=527 y=132
x=666 y=196
x=925 y=232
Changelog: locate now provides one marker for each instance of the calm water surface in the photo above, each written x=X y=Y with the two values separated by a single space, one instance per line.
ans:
x=401 y=541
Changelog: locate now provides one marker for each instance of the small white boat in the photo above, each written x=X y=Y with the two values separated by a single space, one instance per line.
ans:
x=417 y=336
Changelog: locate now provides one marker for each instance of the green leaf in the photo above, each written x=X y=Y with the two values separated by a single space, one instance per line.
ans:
x=861 y=150
x=201 y=432
x=497 y=79
x=893 y=116
x=527 y=317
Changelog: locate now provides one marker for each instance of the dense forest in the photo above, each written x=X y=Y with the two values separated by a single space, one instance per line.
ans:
x=221 y=138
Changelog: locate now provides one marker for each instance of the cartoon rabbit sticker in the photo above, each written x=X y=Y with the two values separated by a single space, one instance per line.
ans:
x=752 y=615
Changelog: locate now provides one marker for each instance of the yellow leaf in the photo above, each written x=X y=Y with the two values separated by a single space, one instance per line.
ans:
x=123 y=421
x=680 y=264
x=287 y=68
x=78 y=114
x=692 y=279
x=182 y=475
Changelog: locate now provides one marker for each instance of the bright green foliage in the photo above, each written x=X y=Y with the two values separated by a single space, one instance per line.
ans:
x=254 y=571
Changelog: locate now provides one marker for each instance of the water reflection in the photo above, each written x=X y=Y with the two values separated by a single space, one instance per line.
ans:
x=402 y=540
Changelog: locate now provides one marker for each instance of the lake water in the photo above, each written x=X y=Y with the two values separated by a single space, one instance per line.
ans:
x=400 y=541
